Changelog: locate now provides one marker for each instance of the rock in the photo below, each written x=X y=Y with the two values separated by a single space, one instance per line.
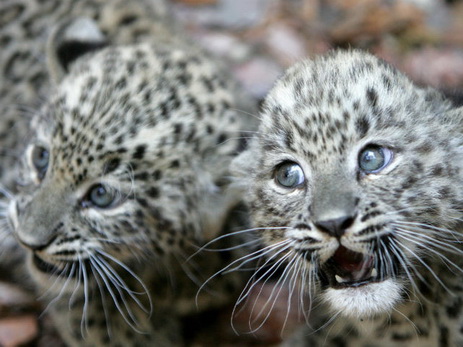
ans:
x=197 y=2
x=15 y=331
x=258 y=75
x=435 y=67
x=14 y=299
x=231 y=14
x=356 y=21
x=285 y=43
x=224 y=45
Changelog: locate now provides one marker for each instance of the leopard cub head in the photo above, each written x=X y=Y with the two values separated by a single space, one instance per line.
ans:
x=127 y=161
x=354 y=181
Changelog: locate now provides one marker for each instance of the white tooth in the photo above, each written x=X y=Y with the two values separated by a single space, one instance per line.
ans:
x=374 y=272
x=339 y=279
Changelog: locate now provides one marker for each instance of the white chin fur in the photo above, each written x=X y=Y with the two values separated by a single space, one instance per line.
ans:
x=365 y=301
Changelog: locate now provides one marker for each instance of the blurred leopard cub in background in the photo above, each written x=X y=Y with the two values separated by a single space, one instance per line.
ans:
x=125 y=172
x=354 y=183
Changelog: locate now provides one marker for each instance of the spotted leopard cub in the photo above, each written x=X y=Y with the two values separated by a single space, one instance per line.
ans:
x=354 y=184
x=124 y=176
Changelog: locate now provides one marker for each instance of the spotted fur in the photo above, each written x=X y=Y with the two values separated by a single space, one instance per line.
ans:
x=378 y=251
x=124 y=173
x=25 y=27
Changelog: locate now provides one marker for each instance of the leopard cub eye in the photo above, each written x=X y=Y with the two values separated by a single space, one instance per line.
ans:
x=100 y=196
x=289 y=175
x=40 y=157
x=372 y=159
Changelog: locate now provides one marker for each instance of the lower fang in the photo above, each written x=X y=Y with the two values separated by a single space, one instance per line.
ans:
x=339 y=279
x=374 y=273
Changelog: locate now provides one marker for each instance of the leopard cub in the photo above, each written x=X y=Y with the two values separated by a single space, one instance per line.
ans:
x=124 y=173
x=355 y=186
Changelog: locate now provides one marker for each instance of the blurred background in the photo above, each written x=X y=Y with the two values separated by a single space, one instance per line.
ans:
x=261 y=38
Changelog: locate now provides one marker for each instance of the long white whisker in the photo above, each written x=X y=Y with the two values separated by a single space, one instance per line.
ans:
x=432 y=228
x=253 y=281
x=51 y=288
x=270 y=271
x=440 y=255
x=431 y=271
x=297 y=269
x=235 y=233
x=96 y=275
x=261 y=253
x=241 y=245
x=137 y=278
x=275 y=290
x=116 y=301
x=405 y=265
x=119 y=282
x=243 y=260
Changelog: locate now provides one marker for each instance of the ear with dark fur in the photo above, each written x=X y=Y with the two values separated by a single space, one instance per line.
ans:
x=69 y=41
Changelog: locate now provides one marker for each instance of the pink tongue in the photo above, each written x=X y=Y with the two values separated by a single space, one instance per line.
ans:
x=351 y=263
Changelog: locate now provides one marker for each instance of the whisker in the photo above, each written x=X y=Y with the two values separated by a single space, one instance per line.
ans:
x=132 y=322
x=189 y=272
x=293 y=284
x=235 y=233
x=428 y=228
x=246 y=113
x=241 y=245
x=278 y=285
x=253 y=281
x=291 y=271
x=84 y=322
x=430 y=240
x=50 y=289
x=431 y=271
x=328 y=322
x=102 y=296
x=415 y=328
x=406 y=264
x=114 y=277
x=129 y=271
x=245 y=295
x=443 y=257
x=76 y=288
x=259 y=254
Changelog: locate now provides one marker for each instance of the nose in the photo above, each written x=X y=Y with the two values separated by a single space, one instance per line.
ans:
x=336 y=227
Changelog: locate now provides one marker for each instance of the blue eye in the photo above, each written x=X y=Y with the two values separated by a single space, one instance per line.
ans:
x=373 y=159
x=289 y=175
x=100 y=196
x=40 y=158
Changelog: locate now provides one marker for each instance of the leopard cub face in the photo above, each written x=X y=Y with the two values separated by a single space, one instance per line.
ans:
x=354 y=181
x=125 y=169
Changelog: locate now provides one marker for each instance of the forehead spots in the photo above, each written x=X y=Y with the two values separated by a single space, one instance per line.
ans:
x=112 y=165
x=139 y=152
x=362 y=125
x=372 y=97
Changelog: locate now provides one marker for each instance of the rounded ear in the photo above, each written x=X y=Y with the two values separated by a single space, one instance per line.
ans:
x=70 y=40
x=243 y=164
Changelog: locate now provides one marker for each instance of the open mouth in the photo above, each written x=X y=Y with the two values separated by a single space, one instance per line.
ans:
x=347 y=268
